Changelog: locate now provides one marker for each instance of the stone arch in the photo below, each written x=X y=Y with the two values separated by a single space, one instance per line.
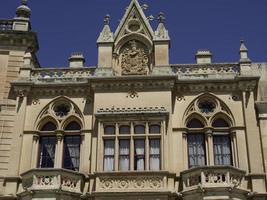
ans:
x=70 y=119
x=195 y=116
x=48 y=113
x=223 y=116
x=221 y=109
x=45 y=120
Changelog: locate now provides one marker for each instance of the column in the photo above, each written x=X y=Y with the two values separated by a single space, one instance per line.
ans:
x=35 y=146
x=59 y=149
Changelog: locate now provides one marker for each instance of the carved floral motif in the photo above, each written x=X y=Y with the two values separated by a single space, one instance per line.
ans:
x=130 y=182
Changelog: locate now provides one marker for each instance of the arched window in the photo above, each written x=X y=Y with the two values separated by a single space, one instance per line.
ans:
x=125 y=130
x=47 y=146
x=195 y=123
x=109 y=130
x=221 y=142
x=220 y=123
x=73 y=126
x=154 y=129
x=72 y=143
x=139 y=129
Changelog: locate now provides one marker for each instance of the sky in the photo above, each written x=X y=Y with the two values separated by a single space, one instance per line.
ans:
x=66 y=26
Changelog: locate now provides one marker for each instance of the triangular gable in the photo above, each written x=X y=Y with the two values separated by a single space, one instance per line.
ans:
x=134 y=8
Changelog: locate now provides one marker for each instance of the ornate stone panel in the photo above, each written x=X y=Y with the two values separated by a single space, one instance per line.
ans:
x=131 y=182
x=134 y=59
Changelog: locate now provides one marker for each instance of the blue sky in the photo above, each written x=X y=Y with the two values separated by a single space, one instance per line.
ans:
x=218 y=25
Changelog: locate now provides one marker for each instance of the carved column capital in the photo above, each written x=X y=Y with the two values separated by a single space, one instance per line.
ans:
x=59 y=134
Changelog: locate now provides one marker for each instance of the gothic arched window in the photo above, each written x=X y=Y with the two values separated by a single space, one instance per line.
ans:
x=47 y=146
x=72 y=143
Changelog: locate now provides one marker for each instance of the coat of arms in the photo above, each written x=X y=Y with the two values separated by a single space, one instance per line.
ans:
x=134 y=60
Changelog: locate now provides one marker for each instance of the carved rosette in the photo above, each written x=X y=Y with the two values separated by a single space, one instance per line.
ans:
x=130 y=183
x=134 y=59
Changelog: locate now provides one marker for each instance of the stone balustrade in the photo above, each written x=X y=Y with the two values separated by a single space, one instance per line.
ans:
x=203 y=71
x=53 y=179
x=6 y=25
x=61 y=74
x=212 y=176
x=132 y=182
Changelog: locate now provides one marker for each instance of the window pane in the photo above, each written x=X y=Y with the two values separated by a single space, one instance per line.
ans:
x=125 y=130
x=139 y=152
x=73 y=126
x=220 y=123
x=109 y=152
x=154 y=154
x=222 y=150
x=139 y=129
x=195 y=123
x=196 y=150
x=154 y=129
x=124 y=155
x=71 y=157
x=49 y=126
x=47 y=146
x=109 y=130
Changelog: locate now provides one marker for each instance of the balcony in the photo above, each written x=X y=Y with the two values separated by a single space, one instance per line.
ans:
x=119 y=182
x=53 y=180
x=212 y=177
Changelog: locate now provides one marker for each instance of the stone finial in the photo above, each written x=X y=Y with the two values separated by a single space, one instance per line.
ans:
x=76 y=60
x=23 y=11
x=161 y=17
x=243 y=51
x=106 y=36
x=203 y=57
x=106 y=19
x=161 y=33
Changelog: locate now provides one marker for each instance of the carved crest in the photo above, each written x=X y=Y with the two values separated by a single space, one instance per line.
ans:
x=134 y=59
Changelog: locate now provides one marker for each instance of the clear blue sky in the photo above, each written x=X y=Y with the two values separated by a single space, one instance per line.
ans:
x=66 y=26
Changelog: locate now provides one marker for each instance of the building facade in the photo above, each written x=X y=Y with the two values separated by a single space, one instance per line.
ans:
x=134 y=127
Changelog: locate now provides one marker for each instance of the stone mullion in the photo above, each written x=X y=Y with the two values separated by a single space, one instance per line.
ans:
x=35 y=147
x=59 y=149
x=162 y=146
x=210 y=147
x=116 y=164
x=132 y=147
x=147 y=148
x=185 y=148
x=234 y=149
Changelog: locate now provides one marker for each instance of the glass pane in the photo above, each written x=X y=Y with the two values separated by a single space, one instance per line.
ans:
x=47 y=146
x=124 y=155
x=154 y=129
x=125 y=130
x=139 y=155
x=109 y=152
x=73 y=126
x=222 y=150
x=220 y=123
x=109 y=130
x=154 y=154
x=71 y=157
x=195 y=123
x=196 y=150
x=49 y=126
x=139 y=129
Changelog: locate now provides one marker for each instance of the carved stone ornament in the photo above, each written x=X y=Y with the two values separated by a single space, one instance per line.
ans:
x=134 y=59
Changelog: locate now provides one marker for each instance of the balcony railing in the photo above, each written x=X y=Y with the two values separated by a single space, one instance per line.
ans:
x=212 y=176
x=132 y=182
x=203 y=71
x=6 y=25
x=61 y=74
x=53 y=179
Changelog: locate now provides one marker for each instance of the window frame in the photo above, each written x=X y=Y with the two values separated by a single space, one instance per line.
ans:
x=132 y=136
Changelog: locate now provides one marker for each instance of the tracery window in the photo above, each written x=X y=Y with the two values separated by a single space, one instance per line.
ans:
x=132 y=146
x=208 y=137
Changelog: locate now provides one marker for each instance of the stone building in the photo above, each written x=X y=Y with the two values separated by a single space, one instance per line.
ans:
x=134 y=127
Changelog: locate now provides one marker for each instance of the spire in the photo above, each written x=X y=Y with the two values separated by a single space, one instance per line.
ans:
x=23 y=11
x=243 y=51
x=106 y=34
x=134 y=21
x=161 y=33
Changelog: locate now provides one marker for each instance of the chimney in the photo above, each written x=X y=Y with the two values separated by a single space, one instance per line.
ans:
x=76 y=60
x=203 y=57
